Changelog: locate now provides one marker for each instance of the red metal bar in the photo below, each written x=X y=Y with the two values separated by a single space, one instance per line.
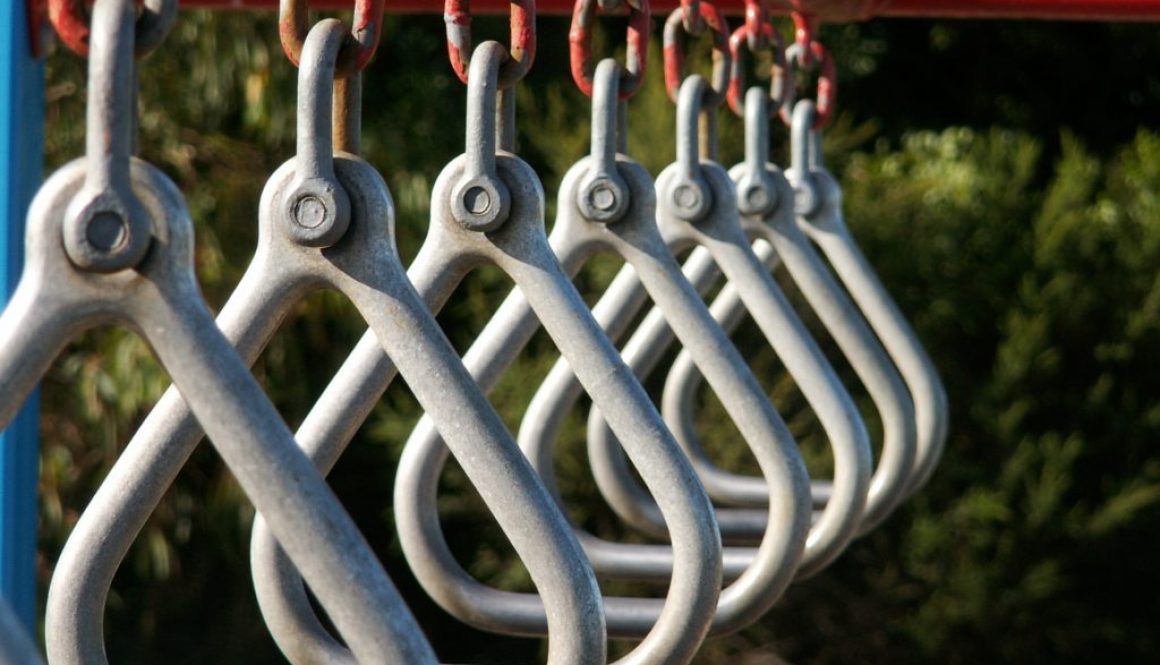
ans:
x=829 y=10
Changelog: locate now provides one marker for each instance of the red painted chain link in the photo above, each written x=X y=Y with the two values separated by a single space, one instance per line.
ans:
x=71 y=20
x=636 y=52
x=781 y=82
x=692 y=18
x=827 y=91
x=366 y=29
x=756 y=18
x=675 y=37
x=522 y=48
x=805 y=27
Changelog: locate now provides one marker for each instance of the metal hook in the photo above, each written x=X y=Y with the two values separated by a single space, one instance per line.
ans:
x=538 y=531
x=360 y=46
x=723 y=241
x=788 y=244
x=55 y=301
x=576 y=238
x=364 y=265
x=826 y=226
x=520 y=248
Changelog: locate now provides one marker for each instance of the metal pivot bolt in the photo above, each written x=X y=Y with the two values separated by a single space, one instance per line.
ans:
x=316 y=208
x=105 y=229
x=602 y=200
x=806 y=200
x=317 y=212
x=603 y=195
x=480 y=201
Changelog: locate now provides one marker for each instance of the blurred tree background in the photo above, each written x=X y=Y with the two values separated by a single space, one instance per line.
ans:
x=1003 y=177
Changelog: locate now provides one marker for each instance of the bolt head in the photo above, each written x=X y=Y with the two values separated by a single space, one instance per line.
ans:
x=805 y=200
x=309 y=212
x=316 y=211
x=756 y=197
x=687 y=197
x=107 y=231
x=476 y=200
x=602 y=197
x=480 y=203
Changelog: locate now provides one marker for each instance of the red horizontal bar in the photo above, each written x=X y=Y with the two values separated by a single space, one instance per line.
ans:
x=829 y=10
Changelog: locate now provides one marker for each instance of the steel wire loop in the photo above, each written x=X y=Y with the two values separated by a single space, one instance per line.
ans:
x=805 y=53
x=676 y=35
x=757 y=36
x=72 y=19
x=359 y=47
x=521 y=51
x=636 y=40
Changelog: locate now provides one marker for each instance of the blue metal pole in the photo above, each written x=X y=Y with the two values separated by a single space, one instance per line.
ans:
x=21 y=163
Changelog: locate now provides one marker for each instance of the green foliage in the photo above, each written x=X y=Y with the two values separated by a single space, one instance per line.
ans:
x=1027 y=263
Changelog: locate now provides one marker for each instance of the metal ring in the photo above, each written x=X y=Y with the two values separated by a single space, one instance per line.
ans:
x=781 y=90
x=636 y=53
x=757 y=16
x=522 y=48
x=691 y=17
x=675 y=35
x=71 y=19
x=356 y=53
x=827 y=91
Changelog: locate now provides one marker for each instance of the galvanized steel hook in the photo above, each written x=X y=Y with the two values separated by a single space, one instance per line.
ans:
x=780 y=239
x=538 y=532
x=820 y=216
x=364 y=265
x=160 y=298
x=520 y=248
x=853 y=336
x=724 y=242
x=577 y=237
